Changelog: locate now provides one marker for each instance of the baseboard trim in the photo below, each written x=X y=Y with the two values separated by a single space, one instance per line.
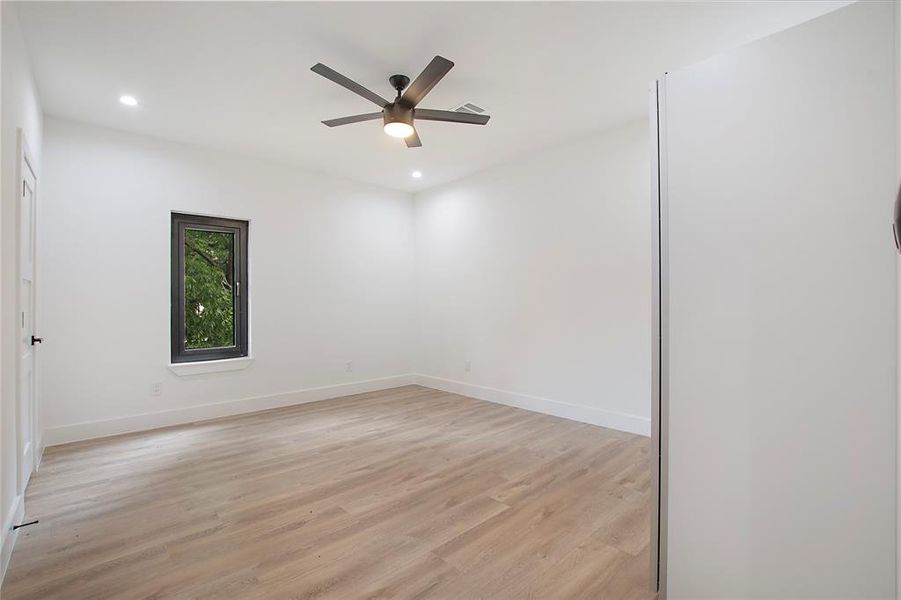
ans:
x=8 y=535
x=574 y=412
x=65 y=434
x=77 y=432
x=39 y=453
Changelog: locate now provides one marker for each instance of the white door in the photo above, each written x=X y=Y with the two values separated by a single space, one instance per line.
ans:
x=26 y=408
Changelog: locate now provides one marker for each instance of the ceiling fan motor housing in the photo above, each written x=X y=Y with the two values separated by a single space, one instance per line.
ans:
x=398 y=113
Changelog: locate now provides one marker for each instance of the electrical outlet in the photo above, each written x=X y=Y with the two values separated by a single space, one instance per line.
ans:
x=156 y=388
x=349 y=366
x=467 y=366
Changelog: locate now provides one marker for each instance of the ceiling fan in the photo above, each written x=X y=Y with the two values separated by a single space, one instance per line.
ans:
x=400 y=114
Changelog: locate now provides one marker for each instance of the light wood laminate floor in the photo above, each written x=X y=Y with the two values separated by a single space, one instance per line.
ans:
x=404 y=493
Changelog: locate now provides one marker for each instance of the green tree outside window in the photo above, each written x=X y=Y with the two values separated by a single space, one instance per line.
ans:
x=209 y=297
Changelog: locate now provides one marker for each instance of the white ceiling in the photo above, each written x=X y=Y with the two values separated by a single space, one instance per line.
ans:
x=235 y=76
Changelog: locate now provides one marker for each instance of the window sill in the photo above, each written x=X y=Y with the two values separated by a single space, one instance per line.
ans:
x=211 y=366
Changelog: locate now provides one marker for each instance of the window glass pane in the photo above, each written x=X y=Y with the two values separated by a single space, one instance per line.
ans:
x=209 y=297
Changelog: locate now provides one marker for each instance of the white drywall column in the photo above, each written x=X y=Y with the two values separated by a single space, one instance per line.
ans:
x=782 y=337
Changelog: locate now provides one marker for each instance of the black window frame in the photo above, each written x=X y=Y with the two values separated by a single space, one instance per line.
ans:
x=241 y=292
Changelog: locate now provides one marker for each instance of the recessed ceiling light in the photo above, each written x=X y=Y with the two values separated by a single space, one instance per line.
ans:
x=128 y=100
x=416 y=174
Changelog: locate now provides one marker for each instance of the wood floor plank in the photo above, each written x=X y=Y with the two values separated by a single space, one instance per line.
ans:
x=398 y=494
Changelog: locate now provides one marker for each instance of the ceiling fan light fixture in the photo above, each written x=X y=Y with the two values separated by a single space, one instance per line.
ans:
x=398 y=120
x=398 y=129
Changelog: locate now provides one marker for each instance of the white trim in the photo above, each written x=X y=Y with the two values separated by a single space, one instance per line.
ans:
x=575 y=412
x=660 y=344
x=39 y=451
x=180 y=416
x=897 y=20
x=8 y=536
x=211 y=366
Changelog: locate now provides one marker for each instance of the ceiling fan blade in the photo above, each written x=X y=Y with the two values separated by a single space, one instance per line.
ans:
x=413 y=141
x=350 y=84
x=450 y=116
x=430 y=76
x=353 y=119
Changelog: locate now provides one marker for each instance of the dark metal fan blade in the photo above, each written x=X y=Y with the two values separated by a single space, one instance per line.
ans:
x=353 y=119
x=428 y=114
x=413 y=141
x=430 y=76
x=350 y=84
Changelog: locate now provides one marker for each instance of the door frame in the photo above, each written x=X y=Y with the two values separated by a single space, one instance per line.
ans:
x=659 y=329
x=26 y=161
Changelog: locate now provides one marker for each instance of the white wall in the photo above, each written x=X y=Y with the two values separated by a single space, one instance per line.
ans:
x=331 y=275
x=20 y=110
x=780 y=178
x=538 y=273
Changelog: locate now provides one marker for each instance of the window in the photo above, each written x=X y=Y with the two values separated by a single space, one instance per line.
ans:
x=209 y=288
